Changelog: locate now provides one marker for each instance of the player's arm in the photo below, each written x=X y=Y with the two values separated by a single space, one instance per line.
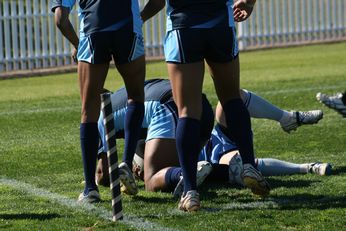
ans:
x=242 y=9
x=63 y=23
x=151 y=8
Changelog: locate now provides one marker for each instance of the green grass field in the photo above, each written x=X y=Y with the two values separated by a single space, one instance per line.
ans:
x=41 y=168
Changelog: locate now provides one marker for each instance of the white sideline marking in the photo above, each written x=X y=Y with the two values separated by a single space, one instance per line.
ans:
x=131 y=220
x=272 y=204
x=268 y=204
x=252 y=205
x=40 y=110
x=62 y=109
x=299 y=90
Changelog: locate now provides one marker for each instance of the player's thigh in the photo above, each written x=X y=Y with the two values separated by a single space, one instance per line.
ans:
x=226 y=79
x=184 y=53
x=133 y=74
x=91 y=81
x=159 y=153
x=128 y=55
x=223 y=62
x=187 y=81
x=93 y=63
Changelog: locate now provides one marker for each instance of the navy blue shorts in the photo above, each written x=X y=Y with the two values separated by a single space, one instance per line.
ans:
x=122 y=45
x=217 y=44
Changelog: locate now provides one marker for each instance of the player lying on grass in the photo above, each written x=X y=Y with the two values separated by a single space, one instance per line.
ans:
x=226 y=162
x=158 y=128
x=160 y=163
x=221 y=150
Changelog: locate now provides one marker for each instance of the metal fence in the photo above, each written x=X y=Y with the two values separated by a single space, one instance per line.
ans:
x=29 y=39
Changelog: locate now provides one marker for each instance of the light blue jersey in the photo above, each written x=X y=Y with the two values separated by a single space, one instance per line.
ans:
x=159 y=122
x=160 y=113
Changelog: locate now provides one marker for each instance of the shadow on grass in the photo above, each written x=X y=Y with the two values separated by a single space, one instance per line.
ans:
x=290 y=183
x=292 y=202
x=150 y=199
x=274 y=183
x=30 y=216
x=310 y=201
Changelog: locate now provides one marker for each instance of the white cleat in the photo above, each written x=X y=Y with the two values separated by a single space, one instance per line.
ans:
x=300 y=118
x=92 y=197
x=190 y=201
x=322 y=169
x=333 y=102
x=254 y=180
x=127 y=180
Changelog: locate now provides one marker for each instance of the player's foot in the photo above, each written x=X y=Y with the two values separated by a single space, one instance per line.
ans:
x=127 y=181
x=299 y=118
x=322 y=169
x=333 y=102
x=204 y=168
x=235 y=169
x=138 y=161
x=254 y=180
x=92 y=197
x=190 y=201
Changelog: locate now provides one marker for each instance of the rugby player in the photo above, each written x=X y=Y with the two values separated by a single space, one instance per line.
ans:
x=108 y=30
x=158 y=129
x=200 y=32
x=156 y=161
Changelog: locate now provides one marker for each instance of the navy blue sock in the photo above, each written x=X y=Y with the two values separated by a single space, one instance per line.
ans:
x=188 y=147
x=344 y=97
x=89 y=140
x=172 y=177
x=239 y=128
x=132 y=128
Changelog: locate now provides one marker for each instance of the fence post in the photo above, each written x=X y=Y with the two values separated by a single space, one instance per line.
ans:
x=162 y=18
x=14 y=27
x=240 y=36
x=29 y=31
x=7 y=34
x=23 y=50
x=52 y=51
x=37 y=34
x=29 y=38
x=43 y=17
x=2 y=60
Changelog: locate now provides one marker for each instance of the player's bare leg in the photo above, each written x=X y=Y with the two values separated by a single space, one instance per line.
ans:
x=91 y=81
x=133 y=74
x=160 y=154
x=226 y=80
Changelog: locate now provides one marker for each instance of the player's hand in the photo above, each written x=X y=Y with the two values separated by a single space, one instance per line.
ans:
x=242 y=9
x=74 y=55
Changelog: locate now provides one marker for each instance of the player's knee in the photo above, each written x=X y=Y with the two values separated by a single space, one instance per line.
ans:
x=150 y=185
